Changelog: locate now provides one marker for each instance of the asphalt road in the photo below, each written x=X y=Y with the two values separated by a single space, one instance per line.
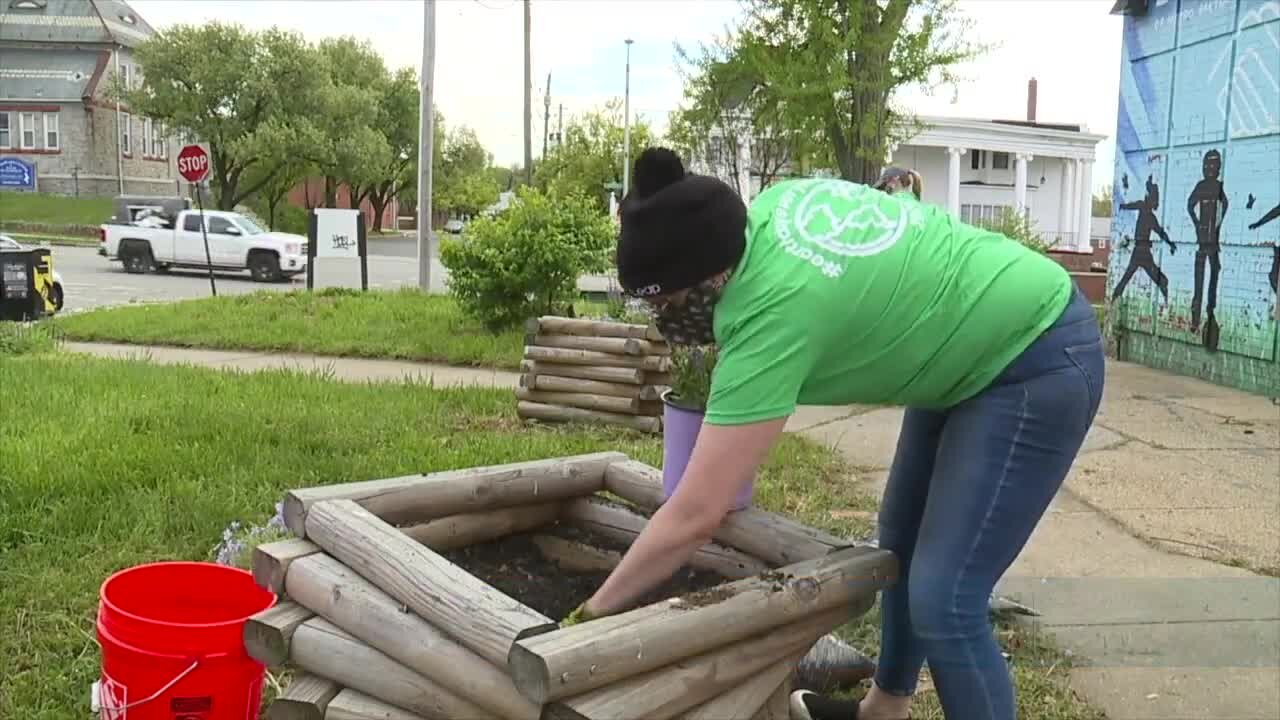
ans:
x=90 y=280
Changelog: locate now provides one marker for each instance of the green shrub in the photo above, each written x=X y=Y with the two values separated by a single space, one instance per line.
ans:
x=20 y=338
x=691 y=370
x=527 y=260
x=1017 y=226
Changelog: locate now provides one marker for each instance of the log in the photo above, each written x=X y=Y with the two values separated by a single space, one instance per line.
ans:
x=778 y=706
x=748 y=698
x=576 y=556
x=661 y=379
x=602 y=403
x=323 y=649
x=271 y=561
x=455 y=531
x=772 y=537
x=553 y=413
x=668 y=691
x=354 y=705
x=307 y=698
x=416 y=498
x=359 y=608
x=624 y=525
x=632 y=376
x=555 y=325
x=575 y=659
x=475 y=613
x=611 y=345
x=553 y=383
x=267 y=634
x=566 y=356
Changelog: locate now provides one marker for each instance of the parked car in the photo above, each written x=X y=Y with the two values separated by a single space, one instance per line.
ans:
x=454 y=227
x=236 y=242
x=8 y=243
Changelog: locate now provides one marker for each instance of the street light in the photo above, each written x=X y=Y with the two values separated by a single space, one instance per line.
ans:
x=626 y=125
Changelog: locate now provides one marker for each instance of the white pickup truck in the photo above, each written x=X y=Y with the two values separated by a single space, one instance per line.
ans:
x=235 y=243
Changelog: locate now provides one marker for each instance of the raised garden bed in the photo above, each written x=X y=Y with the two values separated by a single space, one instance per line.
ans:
x=438 y=596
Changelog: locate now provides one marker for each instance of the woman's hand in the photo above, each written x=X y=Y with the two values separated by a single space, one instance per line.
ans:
x=724 y=460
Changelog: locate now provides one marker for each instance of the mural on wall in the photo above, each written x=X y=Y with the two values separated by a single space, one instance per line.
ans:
x=1199 y=123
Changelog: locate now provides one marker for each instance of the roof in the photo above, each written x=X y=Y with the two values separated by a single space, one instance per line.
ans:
x=38 y=74
x=72 y=21
x=1049 y=140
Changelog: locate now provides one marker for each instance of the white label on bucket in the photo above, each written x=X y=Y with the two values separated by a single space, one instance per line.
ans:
x=115 y=699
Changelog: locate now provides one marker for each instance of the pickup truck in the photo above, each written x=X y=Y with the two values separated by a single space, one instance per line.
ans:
x=236 y=242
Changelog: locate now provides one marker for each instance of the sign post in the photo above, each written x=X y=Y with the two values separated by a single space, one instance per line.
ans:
x=193 y=165
x=337 y=233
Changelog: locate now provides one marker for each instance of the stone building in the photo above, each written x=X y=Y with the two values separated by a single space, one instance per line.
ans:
x=57 y=62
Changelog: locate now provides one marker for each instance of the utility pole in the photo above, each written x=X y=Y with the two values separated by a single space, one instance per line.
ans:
x=426 y=141
x=560 y=127
x=546 y=116
x=626 y=124
x=528 y=98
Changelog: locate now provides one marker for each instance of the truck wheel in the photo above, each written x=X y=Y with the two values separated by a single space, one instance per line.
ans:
x=55 y=294
x=264 y=266
x=136 y=256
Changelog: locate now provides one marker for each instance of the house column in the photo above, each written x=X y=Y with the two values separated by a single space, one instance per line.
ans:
x=953 y=179
x=1086 y=206
x=1072 y=194
x=1020 y=181
x=1064 y=202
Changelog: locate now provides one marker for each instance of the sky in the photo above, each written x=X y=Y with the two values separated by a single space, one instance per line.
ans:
x=1071 y=47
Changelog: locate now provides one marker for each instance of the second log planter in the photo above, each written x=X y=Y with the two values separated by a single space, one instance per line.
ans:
x=437 y=597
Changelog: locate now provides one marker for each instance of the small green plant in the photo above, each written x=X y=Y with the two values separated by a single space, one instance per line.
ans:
x=691 y=370
x=1018 y=227
x=27 y=338
x=527 y=260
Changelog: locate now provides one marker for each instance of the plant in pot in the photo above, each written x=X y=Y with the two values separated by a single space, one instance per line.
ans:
x=684 y=406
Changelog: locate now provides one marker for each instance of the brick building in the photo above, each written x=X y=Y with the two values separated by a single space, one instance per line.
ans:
x=57 y=61
x=1196 y=238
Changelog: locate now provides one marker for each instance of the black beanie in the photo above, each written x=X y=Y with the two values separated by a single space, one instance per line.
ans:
x=678 y=229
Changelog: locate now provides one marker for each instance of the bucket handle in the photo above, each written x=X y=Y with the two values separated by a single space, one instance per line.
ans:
x=178 y=678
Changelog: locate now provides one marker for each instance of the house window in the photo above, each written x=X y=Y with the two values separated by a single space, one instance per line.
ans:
x=164 y=142
x=976 y=159
x=6 y=138
x=126 y=138
x=979 y=214
x=52 y=134
x=126 y=76
x=1000 y=161
x=146 y=137
x=27 y=130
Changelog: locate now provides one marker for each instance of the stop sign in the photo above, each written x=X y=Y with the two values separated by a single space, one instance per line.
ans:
x=193 y=163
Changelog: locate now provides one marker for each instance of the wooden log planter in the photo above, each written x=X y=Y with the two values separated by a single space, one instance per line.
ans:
x=437 y=596
x=593 y=371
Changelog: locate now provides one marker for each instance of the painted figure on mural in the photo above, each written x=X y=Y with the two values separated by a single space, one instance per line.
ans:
x=1274 y=276
x=1207 y=206
x=1142 y=257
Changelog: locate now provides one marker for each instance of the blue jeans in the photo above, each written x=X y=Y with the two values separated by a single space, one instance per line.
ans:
x=967 y=487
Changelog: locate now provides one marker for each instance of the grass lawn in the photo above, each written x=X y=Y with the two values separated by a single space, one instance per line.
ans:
x=404 y=324
x=54 y=209
x=41 y=239
x=111 y=463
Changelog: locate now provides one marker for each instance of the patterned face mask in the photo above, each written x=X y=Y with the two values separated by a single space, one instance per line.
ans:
x=691 y=322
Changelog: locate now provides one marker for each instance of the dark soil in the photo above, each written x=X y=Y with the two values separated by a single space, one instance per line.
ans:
x=515 y=566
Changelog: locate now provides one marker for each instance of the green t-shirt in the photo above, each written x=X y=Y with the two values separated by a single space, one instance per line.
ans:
x=848 y=295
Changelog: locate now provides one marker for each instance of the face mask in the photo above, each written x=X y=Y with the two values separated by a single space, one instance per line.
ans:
x=690 y=322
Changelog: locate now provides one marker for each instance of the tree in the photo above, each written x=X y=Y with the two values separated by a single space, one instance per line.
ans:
x=1102 y=203
x=830 y=68
x=466 y=184
x=398 y=113
x=590 y=158
x=247 y=95
x=349 y=147
x=726 y=118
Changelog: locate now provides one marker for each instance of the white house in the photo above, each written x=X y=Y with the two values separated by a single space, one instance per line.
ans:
x=978 y=167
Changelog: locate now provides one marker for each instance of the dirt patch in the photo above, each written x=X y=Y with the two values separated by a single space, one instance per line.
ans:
x=515 y=566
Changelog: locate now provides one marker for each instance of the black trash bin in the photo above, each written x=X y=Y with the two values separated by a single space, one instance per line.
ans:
x=26 y=284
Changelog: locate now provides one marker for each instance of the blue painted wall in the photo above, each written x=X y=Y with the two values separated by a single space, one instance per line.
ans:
x=1198 y=163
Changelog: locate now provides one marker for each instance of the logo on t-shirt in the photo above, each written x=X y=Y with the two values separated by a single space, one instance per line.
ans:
x=828 y=222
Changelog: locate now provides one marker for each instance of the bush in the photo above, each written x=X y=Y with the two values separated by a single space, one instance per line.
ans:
x=527 y=260
x=1019 y=227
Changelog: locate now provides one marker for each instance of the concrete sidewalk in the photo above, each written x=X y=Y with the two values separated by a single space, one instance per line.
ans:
x=1155 y=568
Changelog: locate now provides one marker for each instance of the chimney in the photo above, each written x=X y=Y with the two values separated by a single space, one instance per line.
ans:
x=1031 y=100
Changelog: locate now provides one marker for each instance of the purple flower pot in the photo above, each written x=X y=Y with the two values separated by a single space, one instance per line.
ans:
x=680 y=427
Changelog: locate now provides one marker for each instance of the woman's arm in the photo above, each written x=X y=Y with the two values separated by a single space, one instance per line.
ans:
x=724 y=459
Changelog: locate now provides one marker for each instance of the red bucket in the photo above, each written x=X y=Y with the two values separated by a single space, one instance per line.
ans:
x=172 y=637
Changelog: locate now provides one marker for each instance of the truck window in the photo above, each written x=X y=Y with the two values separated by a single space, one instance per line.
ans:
x=191 y=223
x=219 y=225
